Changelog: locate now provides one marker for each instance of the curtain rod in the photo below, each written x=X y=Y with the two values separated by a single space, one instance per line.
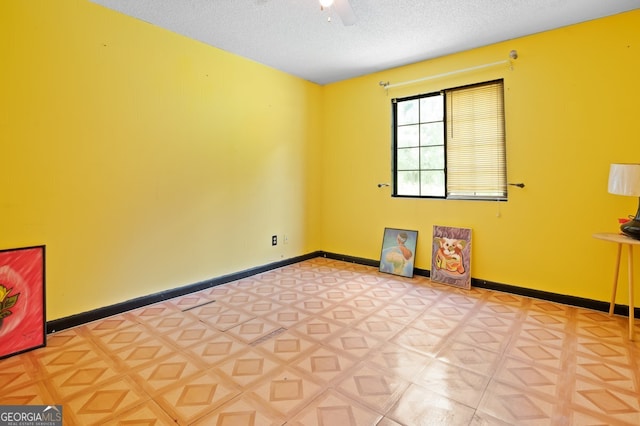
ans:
x=513 y=55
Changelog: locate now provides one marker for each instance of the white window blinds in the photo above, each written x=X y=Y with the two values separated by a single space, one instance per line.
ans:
x=476 y=163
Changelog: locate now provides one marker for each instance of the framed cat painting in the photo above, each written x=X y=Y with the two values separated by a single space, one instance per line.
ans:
x=451 y=258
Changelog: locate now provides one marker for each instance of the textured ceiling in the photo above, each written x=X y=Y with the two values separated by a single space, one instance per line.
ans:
x=297 y=37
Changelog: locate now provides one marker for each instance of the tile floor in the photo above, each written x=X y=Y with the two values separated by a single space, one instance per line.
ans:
x=326 y=342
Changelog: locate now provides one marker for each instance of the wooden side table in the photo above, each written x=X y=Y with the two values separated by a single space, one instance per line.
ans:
x=621 y=240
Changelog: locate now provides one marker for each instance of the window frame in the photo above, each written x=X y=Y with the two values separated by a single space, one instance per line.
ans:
x=503 y=185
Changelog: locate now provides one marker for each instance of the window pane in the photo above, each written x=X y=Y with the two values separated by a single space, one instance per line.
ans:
x=408 y=112
x=431 y=109
x=451 y=144
x=408 y=183
x=432 y=184
x=432 y=157
x=432 y=134
x=408 y=136
x=408 y=158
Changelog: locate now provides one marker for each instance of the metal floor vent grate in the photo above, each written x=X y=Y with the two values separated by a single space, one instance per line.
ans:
x=268 y=336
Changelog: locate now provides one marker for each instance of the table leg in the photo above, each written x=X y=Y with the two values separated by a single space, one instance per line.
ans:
x=631 y=308
x=615 y=280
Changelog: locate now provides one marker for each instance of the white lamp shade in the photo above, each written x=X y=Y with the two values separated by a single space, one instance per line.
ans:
x=624 y=179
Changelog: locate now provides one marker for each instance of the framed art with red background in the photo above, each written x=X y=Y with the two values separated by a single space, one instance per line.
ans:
x=22 y=300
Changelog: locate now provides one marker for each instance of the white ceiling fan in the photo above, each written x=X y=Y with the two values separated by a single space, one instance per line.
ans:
x=342 y=8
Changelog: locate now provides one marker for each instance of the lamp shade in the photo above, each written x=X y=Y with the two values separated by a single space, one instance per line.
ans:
x=624 y=179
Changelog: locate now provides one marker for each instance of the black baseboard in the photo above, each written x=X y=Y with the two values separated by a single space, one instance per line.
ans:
x=107 y=311
x=506 y=288
x=564 y=299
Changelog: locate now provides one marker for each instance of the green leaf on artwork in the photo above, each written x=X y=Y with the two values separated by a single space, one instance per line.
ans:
x=10 y=301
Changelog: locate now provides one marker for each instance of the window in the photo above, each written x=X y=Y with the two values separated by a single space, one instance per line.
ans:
x=451 y=144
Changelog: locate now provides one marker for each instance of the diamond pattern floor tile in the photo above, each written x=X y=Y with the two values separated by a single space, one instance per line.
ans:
x=457 y=384
x=325 y=364
x=373 y=387
x=193 y=398
x=419 y=406
x=326 y=342
x=516 y=406
x=241 y=412
x=333 y=408
x=247 y=367
x=286 y=392
x=99 y=403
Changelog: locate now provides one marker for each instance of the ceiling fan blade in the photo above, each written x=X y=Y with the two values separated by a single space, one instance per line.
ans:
x=344 y=10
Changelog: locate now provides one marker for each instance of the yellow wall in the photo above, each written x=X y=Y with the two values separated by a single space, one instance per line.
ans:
x=144 y=160
x=571 y=109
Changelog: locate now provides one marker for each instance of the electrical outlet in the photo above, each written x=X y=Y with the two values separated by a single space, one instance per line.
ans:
x=274 y=240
